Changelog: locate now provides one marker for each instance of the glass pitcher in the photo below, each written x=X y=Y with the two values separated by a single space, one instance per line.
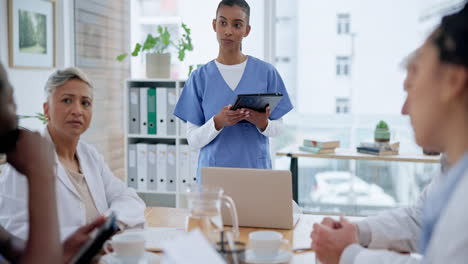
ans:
x=204 y=203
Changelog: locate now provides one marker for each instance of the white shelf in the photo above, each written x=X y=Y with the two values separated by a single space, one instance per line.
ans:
x=177 y=140
x=151 y=136
x=154 y=80
x=351 y=154
x=155 y=192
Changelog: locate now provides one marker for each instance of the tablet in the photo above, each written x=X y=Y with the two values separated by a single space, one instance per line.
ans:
x=94 y=245
x=257 y=102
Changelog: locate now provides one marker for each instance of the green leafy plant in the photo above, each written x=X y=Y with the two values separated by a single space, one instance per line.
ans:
x=193 y=67
x=161 y=42
x=39 y=116
x=382 y=124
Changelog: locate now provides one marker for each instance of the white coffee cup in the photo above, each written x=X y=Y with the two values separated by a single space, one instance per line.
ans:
x=266 y=244
x=127 y=247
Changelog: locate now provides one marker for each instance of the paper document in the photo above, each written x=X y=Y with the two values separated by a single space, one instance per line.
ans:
x=156 y=236
x=191 y=248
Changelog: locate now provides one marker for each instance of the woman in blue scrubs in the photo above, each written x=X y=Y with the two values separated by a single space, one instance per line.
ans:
x=229 y=138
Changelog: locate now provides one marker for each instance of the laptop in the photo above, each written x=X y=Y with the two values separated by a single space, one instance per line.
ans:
x=263 y=198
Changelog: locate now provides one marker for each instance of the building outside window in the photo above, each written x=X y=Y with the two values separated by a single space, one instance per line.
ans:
x=343 y=65
x=342 y=105
x=343 y=24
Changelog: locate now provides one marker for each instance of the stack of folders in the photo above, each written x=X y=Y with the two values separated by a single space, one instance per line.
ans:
x=379 y=148
x=150 y=111
x=320 y=146
x=152 y=167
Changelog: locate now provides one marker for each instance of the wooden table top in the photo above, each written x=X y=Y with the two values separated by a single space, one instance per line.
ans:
x=175 y=217
x=351 y=154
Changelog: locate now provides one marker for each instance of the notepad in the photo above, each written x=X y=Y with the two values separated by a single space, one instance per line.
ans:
x=191 y=248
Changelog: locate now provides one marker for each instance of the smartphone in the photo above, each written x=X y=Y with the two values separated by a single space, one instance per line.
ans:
x=94 y=245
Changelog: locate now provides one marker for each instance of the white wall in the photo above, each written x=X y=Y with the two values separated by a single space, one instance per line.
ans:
x=198 y=15
x=28 y=84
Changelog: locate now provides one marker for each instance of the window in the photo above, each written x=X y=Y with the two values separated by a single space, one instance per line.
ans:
x=343 y=24
x=342 y=105
x=316 y=64
x=343 y=65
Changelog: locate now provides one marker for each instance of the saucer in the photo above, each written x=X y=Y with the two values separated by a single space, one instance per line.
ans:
x=148 y=258
x=283 y=256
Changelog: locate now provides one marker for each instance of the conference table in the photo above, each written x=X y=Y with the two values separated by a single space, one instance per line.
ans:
x=299 y=236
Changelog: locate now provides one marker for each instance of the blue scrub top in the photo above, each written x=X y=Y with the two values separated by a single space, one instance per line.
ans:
x=206 y=93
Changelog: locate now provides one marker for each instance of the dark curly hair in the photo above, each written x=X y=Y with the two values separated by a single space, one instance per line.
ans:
x=451 y=38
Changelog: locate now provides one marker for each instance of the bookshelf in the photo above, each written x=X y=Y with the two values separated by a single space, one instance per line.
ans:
x=158 y=161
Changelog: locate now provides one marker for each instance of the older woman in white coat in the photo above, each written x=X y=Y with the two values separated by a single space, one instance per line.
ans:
x=437 y=103
x=86 y=188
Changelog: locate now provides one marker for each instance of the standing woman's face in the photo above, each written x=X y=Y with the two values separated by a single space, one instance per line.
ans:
x=231 y=26
x=425 y=102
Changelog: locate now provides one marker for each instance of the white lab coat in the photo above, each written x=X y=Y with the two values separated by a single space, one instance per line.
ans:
x=108 y=192
x=400 y=230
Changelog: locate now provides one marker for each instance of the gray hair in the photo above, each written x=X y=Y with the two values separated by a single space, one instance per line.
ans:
x=60 y=77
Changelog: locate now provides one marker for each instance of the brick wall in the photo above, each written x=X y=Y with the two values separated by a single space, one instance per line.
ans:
x=102 y=31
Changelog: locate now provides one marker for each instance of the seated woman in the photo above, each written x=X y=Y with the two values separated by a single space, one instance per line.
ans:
x=20 y=146
x=86 y=188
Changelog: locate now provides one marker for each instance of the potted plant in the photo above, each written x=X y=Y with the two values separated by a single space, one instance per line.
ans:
x=382 y=132
x=158 y=59
x=39 y=116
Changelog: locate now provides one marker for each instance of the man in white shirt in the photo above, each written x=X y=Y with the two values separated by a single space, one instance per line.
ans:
x=387 y=237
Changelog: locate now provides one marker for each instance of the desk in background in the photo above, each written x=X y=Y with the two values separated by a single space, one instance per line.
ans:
x=347 y=154
x=299 y=237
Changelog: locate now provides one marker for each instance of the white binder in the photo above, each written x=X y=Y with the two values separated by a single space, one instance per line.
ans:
x=171 y=119
x=142 y=163
x=171 y=168
x=161 y=109
x=152 y=167
x=184 y=166
x=193 y=161
x=144 y=111
x=183 y=128
x=134 y=111
x=162 y=166
x=132 y=167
